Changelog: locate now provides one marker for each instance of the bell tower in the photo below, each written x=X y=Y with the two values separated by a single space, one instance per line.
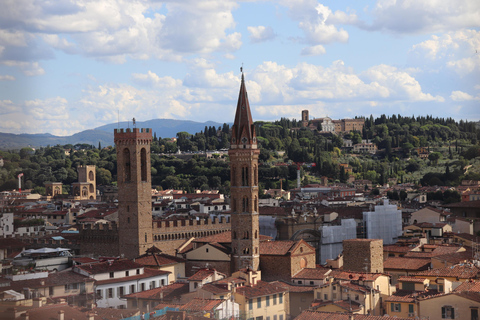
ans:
x=243 y=155
x=134 y=191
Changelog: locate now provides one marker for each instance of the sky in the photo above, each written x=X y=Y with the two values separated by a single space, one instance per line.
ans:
x=72 y=65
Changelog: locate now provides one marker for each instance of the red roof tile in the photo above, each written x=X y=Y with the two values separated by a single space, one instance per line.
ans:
x=277 y=248
x=110 y=266
x=404 y=263
x=466 y=271
x=262 y=288
x=166 y=293
x=312 y=273
x=202 y=305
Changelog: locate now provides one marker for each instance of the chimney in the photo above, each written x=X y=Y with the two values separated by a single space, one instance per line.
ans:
x=61 y=315
x=37 y=302
x=91 y=316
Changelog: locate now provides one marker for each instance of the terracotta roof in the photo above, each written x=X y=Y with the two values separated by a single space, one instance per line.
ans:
x=262 y=288
x=440 y=250
x=51 y=312
x=216 y=288
x=471 y=295
x=349 y=306
x=294 y=287
x=354 y=286
x=411 y=279
x=312 y=273
x=352 y=275
x=470 y=285
x=404 y=263
x=110 y=266
x=466 y=271
x=200 y=305
x=457 y=257
x=11 y=243
x=320 y=315
x=158 y=260
x=54 y=279
x=166 y=293
x=84 y=260
x=225 y=237
x=147 y=273
x=396 y=248
x=410 y=296
x=465 y=204
x=277 y=248
x=202 y=274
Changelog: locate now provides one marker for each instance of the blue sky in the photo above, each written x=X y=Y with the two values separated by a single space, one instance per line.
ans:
x=72 y=65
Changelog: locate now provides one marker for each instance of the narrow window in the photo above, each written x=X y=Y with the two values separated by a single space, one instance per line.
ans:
x=127 y=174
x=143 y=164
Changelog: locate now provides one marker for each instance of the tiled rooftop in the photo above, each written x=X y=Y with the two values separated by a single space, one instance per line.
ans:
x=110 y=266
x=404 y=263
x=312 y=273
x=262 y=288
x=466 y=271
x=166 y=293
x=147 y=273
x=276 y=247
x=158 y=260
x=200 y=305
x=352 y=275
x=319 y=315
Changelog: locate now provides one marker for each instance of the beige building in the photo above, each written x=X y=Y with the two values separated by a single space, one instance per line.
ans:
x=455 y=305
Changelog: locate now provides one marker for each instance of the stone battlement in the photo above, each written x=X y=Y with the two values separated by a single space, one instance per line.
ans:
x=192 y=224
x=99 y=227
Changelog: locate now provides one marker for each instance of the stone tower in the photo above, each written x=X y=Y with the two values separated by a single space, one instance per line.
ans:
x=243 y=155
x=304 y=118
x=134 y=191
x=86 y=175
x=363 y=255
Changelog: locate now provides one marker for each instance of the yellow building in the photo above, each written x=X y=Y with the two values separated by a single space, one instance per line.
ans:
x=259 y=299
x=456 y=305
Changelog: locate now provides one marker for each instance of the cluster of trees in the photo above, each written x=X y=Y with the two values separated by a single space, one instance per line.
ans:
x=453 y=146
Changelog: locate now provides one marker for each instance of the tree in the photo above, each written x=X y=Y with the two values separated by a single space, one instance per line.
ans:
x=434 y=156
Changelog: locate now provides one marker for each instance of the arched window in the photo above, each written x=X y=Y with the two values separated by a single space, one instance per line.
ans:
x=234 y=235
x=256 y=234
x=255 y=205
x=255 y=175
x=233 y=177
x=245 y=204
x=91 y=175
x=143 y=164
x=127 y=174
x=244 y=176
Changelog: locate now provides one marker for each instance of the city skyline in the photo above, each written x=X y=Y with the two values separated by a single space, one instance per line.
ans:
x=76 y=65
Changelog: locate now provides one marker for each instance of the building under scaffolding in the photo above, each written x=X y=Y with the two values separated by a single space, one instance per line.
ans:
x=385 y=222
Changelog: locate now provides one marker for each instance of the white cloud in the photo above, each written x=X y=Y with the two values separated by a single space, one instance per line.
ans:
x=462 y=96
x=425 y=16
x=151 y=79
x=457 y=50
x=114 y=30
x=7 y=78
x=261 y=33
x=28 y=68
x=313 y=50
x=318 y=21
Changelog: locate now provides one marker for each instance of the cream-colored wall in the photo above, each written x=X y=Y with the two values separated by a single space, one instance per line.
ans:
x=462 y=226
x=403 y=310
x=175 y=270
x=207 y=253
x=432 y=308
x=425 y=215
x=264 y=311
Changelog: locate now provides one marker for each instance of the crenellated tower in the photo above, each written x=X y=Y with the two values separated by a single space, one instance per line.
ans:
x=243 y=155
x=134 y=191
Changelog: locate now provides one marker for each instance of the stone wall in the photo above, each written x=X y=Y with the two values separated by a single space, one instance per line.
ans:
x=363 y=255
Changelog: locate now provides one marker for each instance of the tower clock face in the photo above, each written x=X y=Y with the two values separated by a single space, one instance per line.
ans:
x=244 y=140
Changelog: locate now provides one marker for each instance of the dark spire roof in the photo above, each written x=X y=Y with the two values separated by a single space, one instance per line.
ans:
x=243 y=126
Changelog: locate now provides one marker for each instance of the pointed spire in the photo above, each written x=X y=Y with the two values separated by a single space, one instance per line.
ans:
x=243 y=129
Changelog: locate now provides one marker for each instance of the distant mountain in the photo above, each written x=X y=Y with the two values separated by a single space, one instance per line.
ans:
x=164 y=128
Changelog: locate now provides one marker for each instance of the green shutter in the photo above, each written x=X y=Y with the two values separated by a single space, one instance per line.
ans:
x=392 y=308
